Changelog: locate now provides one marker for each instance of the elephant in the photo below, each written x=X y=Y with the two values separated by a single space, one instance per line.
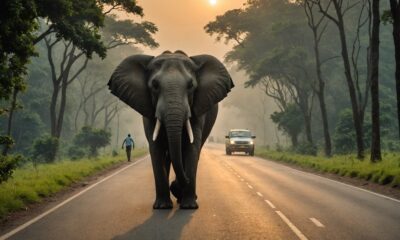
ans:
x=178 y=97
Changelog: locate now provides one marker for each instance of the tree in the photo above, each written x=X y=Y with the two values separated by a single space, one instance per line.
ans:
x=374 y=75
x=117 y=33
x=92 y=139
x=395 y=19
x=16 y=48
x=74 y=59
x=358 y=103
x=278 y=52
x=289 y=121
x=318 y=27
x=45 y=149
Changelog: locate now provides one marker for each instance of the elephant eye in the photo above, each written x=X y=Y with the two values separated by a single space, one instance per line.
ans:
x=190 y=85
x=155 y=84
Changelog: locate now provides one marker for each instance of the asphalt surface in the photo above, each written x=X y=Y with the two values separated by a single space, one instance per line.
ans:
x=240 y=197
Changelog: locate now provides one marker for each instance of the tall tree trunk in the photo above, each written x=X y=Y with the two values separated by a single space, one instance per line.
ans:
x=315 y=26
x=325 y=124
x=374 y=68
x=307 y=122
x=321 y=97
x=61 y=111
x=294 y=141
x=304 y=105
x=346 y=62
x=395 y=9
x=10 y=119
x=53 y=109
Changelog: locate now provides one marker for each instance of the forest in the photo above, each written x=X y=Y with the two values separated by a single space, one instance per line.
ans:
x=331 y=68
x=56 y=58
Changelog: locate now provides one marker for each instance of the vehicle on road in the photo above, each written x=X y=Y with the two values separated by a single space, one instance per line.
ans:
x=239 y=140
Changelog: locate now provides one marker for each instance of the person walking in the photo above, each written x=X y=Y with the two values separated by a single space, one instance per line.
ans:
x=129 y=146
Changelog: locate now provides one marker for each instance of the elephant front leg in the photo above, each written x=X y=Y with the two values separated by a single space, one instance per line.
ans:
x=189 y=196
x=161 y=174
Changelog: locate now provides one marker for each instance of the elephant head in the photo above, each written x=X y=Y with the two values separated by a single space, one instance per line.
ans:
x=171 y=88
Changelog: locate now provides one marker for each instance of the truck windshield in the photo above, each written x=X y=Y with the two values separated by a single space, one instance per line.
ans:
x=240 y=134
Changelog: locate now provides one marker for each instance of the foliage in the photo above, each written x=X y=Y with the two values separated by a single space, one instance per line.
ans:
x=45 y=149
x=386 y=172
x=8 y=165
x=16 y=43
x=306 y=149
x=289 y=121
x=93 y=139
x=344 y=135
x=6 y=140
x=30 y=184
x=76 y=152
x=122 y=32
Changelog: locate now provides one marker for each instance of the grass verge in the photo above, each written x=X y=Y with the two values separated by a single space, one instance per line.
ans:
x=29 y=185
x=386 y=172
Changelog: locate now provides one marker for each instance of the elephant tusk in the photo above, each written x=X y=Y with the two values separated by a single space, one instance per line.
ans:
x=189 y=130
x=156 y=129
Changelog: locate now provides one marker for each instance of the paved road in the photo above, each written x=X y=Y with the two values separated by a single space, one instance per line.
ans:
x=240 y=197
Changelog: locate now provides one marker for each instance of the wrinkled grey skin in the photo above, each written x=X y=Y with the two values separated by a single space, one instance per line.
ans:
x=173 y=88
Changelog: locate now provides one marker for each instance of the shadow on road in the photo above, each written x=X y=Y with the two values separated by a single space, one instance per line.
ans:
x=163 y=224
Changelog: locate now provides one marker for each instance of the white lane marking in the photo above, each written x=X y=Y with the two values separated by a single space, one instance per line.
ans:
x=251 y=187
x=32 y=221
x=331 y=180
x=242 y=179
x=270 y=204
x=298 y=233
x=259 y=194
x=317 y=223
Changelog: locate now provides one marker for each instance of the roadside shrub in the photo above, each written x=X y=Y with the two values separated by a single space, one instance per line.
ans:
x=45 y=149
x=306 y=149
x=345 y=135
x=114 y=153
x=7 y=166
x=76 y=152
x=92 y=139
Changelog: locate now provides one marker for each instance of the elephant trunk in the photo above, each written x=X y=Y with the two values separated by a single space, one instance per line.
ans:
x=174 y=124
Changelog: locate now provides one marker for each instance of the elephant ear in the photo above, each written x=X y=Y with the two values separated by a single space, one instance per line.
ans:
x=214 y=83
x=129 y=83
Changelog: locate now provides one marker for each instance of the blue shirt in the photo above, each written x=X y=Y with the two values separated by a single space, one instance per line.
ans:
x=128 y=141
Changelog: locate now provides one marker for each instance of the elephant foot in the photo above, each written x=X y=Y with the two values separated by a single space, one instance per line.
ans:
x=176 y=190
x=162 y=204
x=188 y=203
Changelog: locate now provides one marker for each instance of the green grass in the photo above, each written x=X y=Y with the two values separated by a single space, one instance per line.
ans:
x=386 y=172
x=29 y=185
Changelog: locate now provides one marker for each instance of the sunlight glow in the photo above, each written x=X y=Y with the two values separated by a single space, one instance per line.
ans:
x=213 y=2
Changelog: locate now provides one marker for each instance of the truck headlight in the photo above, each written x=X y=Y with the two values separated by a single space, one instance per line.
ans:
x=251 y=142
x=232 y=142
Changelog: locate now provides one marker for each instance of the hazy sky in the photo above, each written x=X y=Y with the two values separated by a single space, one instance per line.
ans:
x=181 y=23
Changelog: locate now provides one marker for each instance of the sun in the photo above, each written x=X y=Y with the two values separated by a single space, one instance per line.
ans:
x=213 y=2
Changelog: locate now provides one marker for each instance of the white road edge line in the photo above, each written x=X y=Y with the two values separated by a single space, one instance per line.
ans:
x=259 y=194
x=30 y=222
x=317 y=223
x=299 y=234
x=251 y=187
x=331 y=180
x=270 y=204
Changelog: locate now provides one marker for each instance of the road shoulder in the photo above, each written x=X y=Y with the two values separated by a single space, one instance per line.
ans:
x=393 y=192
x=18 y=218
